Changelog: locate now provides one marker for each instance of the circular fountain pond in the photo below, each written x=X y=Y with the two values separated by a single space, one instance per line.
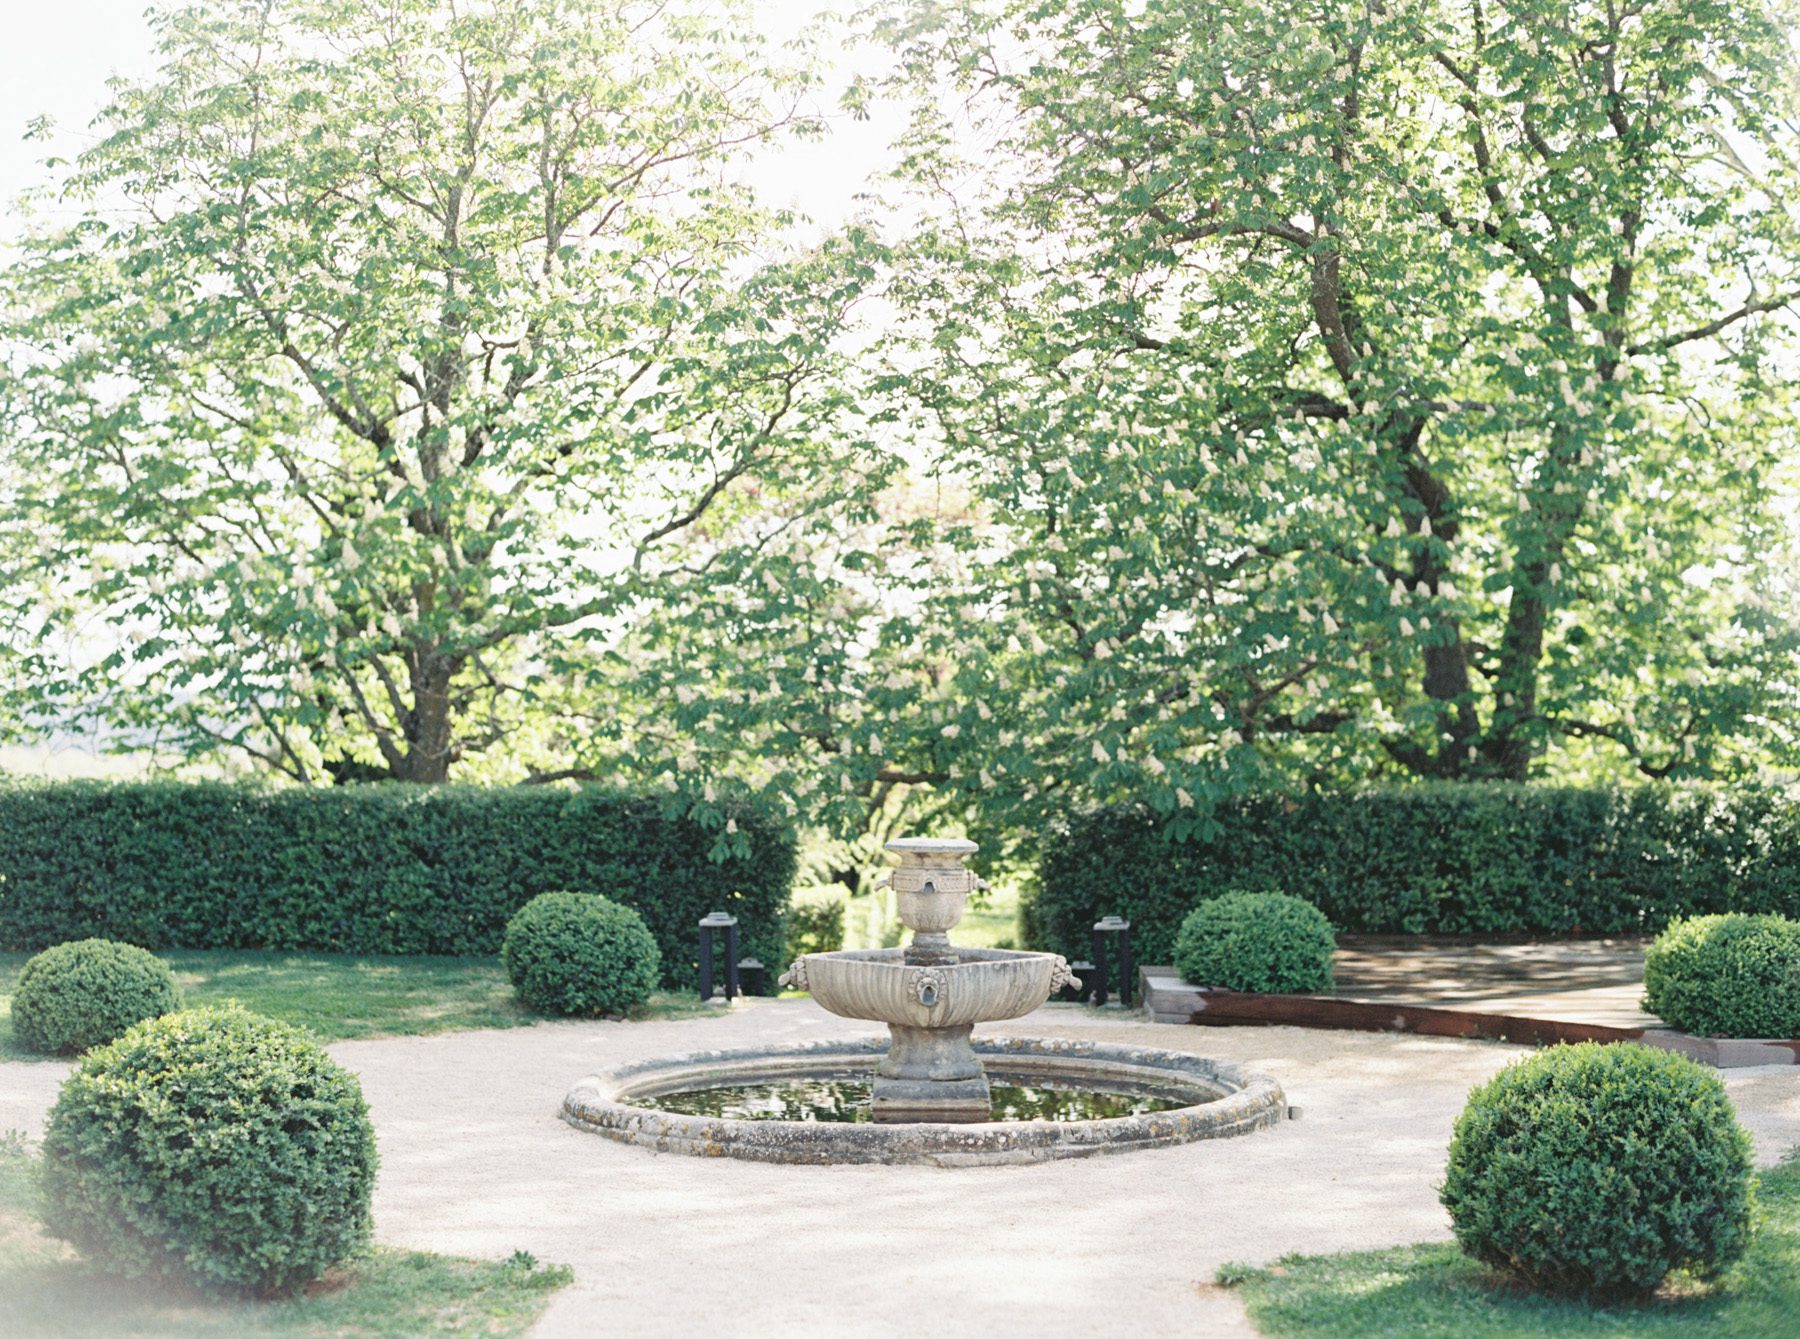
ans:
x=810 y=1103
x=845 y=1096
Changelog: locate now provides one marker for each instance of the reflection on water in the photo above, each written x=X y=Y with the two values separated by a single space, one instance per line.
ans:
x=844 y=1097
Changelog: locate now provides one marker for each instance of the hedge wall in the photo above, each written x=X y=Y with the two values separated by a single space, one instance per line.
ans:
x=366 y=869
x=1439 y=858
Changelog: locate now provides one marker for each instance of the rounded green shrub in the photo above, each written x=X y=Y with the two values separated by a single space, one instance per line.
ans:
x=215 y=1147
x=83 y=993
x=580 y=954
x=1269 y=943
x=1728 y=976
x=1595 y=1170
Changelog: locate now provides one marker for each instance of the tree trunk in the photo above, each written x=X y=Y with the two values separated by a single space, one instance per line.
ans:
x=1446 y=681
x=1512 y=743
x=428 y=725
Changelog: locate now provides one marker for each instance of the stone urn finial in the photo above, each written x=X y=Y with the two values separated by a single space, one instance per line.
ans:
x=930 y=887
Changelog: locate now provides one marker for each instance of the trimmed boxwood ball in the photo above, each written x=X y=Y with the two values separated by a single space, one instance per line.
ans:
x=215 y=1147
x=1596 y=1170
x=1727 y=976
x=580 y=954
x=1269 y=943
x=81 y=994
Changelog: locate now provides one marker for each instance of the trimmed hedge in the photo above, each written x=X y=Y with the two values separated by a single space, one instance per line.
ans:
x=1267 y=943
x=214 y=1147
x=1441 y=858
x=382 y=868
x=81 y=994
x=1728 y=976
x=1596 y=1170
x=580 y=954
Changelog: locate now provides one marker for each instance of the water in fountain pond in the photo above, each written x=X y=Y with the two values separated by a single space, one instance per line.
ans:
x=844 y=1097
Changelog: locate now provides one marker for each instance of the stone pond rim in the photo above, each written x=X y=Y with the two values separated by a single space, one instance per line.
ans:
x=1225 y=1100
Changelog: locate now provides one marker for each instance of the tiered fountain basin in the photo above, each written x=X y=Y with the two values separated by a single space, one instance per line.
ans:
x=1201 y=1099
x=928 y=1092
x=983 y=985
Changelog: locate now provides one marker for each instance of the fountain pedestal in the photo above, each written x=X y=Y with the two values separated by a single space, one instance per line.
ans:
x=930 y=994
x=930 y=1074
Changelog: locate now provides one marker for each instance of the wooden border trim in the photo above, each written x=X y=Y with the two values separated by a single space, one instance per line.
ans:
x=1228 y=1008
x=1225 y=1007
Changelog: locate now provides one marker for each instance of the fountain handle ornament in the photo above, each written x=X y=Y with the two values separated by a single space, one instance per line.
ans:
x=1061 y=974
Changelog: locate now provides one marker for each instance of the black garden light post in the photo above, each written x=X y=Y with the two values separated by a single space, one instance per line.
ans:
x=710 y=926
x=753 y=976
x=1117 y=930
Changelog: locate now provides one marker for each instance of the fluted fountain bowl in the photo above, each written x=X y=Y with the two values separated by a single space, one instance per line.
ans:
x=982 y=986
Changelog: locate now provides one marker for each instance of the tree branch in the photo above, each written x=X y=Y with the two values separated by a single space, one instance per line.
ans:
x=1752 y=308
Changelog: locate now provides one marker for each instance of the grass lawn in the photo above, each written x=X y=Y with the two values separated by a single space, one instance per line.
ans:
x=1435 y=1292
x=48 y=1291
x=993 y=924
x=340 y=997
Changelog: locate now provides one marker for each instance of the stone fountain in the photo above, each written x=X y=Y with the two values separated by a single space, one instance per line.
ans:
x=923 y=1094
x=930 y=994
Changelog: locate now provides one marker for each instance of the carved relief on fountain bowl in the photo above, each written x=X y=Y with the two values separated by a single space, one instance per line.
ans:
x=982 y=986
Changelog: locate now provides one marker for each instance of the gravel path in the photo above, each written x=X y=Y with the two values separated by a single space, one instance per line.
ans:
x=475 y=1162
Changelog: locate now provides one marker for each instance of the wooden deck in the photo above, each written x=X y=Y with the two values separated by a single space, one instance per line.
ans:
x=1597 y=981
x=1531 y=993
